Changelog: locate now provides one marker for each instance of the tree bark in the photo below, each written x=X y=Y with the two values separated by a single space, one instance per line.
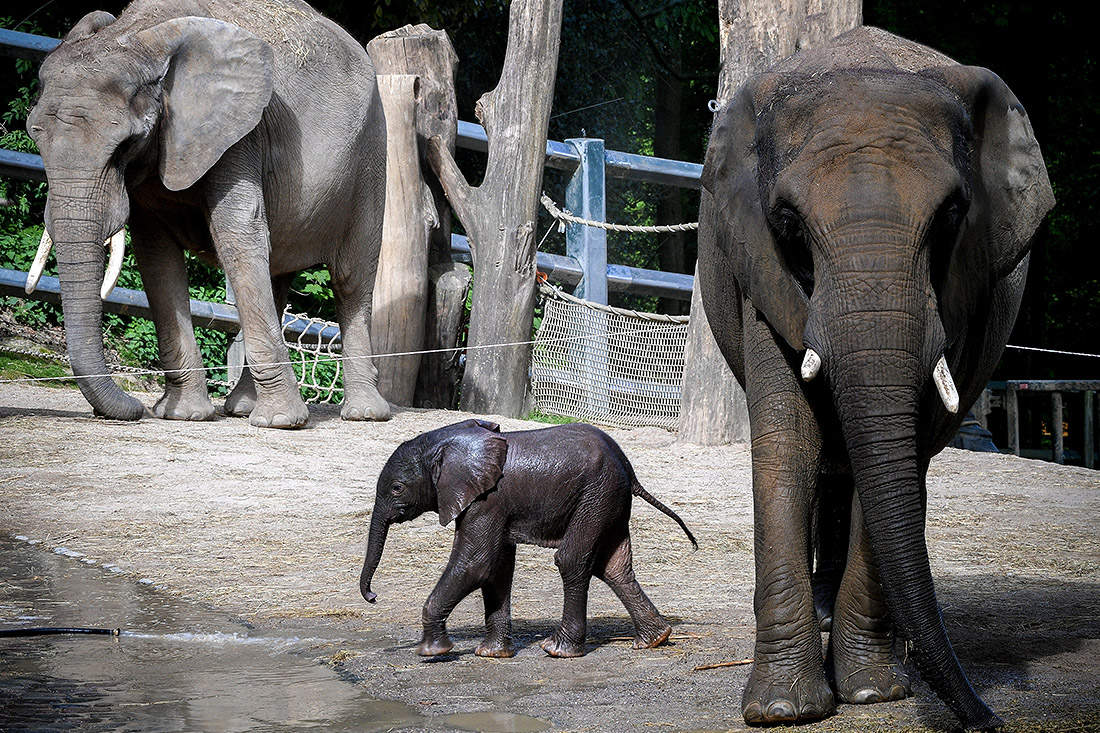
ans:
x=500 y=215
x=400 y=295
x=440 y=372
x=428 y=54
x=753 y=37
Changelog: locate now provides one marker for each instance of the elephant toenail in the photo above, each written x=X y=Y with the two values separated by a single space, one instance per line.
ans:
x=781 y=710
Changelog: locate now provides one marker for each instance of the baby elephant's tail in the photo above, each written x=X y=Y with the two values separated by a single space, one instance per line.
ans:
x=637 y=490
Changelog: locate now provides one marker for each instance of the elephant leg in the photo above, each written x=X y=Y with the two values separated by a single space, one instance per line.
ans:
x=617 y=571
x=239 y=229
x=787 y=683
x=241 y=400
x=471 y=566
x=576 y=557
x=354 y=289
x=861 y=644
x=831 y=532
x=497 y=593
x=163 y=271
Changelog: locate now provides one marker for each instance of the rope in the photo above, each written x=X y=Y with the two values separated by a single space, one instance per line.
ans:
x=566 y=216
x=548 y=290
x=340 y=358
x=1052 y=351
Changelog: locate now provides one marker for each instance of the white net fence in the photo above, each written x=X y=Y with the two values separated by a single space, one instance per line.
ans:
x=607 y=365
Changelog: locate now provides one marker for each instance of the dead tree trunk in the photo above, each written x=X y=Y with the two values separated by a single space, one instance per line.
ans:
x=428 y=55
x=500 y=214
x=400 y=294
x=753 y=36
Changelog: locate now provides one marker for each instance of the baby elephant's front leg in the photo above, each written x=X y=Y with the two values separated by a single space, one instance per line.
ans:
x=459 y=580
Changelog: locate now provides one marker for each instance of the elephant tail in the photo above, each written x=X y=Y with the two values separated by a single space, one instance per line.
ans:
x=637 y=490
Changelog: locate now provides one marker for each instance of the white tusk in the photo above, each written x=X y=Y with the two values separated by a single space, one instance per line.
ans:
x=946 y=386
x=39 y=264
x=117 y=245
x=811 y=364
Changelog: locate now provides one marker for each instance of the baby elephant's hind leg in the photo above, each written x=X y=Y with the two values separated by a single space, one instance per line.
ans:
x=618 y=572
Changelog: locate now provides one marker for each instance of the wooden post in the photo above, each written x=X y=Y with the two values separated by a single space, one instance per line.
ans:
x=440 y=373
x=428 y=54
x=1056 y=427
x=400 y=292
x=500 y=215
x=1090 y=430
x=1012 y=410
x=753 y=36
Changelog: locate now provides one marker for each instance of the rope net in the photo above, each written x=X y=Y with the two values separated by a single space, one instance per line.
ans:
x=607 y=365
x=313 y=343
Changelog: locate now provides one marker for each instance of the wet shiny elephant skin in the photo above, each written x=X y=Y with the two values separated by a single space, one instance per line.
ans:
x=568 y=487
x=249 y=134
x=868 y=208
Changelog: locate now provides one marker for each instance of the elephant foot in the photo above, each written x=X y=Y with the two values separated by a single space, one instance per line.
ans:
x=772 y=698
x=495 y=649
x=371 y=407
x=240 y=402
x=556 y=646
x=178 y=406
x=648 y=640
x=873 y=684
x=868 y=679
x=286 y=415
x=434 y=647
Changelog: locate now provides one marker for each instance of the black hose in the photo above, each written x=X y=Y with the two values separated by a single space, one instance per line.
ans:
x=44 y=630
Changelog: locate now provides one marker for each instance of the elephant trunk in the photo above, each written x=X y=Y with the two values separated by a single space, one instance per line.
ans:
x=379 y=528
x=78 y=243
x=878 y=393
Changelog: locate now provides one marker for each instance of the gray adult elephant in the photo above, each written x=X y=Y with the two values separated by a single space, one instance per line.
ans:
x=868 y=210
x=248 y=133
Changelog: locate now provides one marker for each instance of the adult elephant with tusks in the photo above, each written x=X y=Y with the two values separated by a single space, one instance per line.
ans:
x=250 y=133
x=868 y=208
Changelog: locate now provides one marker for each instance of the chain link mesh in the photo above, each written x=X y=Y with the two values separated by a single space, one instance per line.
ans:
x=607 y=365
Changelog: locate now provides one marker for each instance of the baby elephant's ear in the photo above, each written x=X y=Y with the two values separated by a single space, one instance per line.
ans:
x=469 y=464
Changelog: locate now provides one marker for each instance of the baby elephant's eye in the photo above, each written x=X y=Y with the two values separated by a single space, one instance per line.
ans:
x=396 y=489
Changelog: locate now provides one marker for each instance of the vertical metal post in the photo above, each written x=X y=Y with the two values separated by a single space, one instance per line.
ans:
x=1013 y=409
x=1056 y=427
x=1090 y=430
x=234 y=357
x=585 y=197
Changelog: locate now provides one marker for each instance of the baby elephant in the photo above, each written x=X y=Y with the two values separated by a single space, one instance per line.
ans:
x=568 y=487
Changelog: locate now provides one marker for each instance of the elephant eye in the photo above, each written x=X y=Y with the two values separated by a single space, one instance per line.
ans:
x=793 y=243
x=396 y=489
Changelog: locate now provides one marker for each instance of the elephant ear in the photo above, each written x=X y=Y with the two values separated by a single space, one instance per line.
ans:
x=738 y=232
x=470 y=462
x=217 y=81
x=1010 y=189
x=88 y=25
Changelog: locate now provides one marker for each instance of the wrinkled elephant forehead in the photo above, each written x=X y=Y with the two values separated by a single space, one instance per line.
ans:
x=846 y=106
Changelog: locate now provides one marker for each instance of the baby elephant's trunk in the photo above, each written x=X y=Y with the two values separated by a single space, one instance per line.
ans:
x=379 y=527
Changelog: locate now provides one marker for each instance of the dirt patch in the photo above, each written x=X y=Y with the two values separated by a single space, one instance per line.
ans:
x=271 y=526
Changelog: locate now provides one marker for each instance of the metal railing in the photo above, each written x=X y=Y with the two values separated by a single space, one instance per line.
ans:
x=1056 y=388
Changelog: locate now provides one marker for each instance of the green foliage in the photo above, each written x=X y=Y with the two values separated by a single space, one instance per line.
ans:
x=33 y=367
x=537 y=416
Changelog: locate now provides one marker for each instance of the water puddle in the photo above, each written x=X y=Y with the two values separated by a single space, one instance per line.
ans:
x=175 y=667
x=496 y=722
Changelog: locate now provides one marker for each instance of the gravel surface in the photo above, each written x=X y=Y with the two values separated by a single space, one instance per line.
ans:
x=270 y=526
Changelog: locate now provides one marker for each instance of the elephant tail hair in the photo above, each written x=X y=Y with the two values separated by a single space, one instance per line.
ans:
x=637 y=490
